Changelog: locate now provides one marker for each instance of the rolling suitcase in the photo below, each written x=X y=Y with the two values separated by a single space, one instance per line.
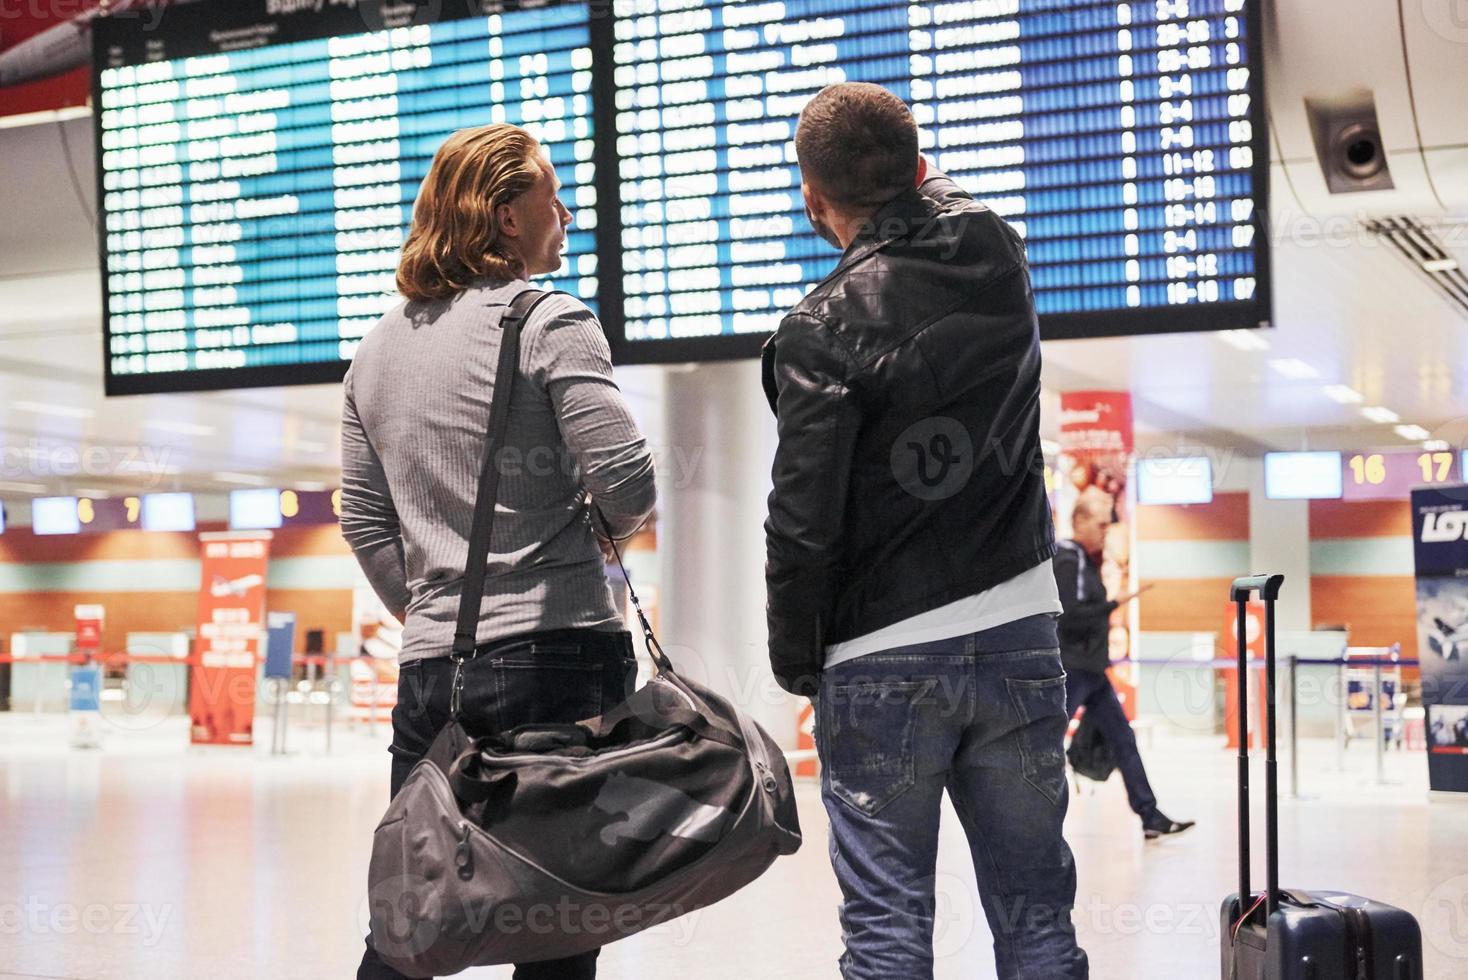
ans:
x=1295 y=935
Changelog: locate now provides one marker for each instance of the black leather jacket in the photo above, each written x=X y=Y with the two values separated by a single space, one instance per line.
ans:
x=907 y=391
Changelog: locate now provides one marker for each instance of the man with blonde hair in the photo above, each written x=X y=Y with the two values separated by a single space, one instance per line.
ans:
x=550 y=647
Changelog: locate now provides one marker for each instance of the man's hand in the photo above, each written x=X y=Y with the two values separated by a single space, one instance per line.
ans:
x=608 y=553
x=1133 y=595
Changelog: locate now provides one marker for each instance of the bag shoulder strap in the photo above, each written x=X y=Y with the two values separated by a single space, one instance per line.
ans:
x=487 y=495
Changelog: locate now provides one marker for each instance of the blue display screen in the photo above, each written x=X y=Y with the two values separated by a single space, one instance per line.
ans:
x=1303 y=476
x=55 y=515
x=254 y=510
x=259 y=162
x=1118 y=138
x=255 y=201
x=1177 y=480
x=168 y=512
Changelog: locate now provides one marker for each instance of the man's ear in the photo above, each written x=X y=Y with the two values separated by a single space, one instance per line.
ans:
x=922 y=169
x=504 y=217
x=814 y=203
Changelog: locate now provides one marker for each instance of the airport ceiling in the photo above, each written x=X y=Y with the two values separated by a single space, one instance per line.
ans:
x=1352 y=318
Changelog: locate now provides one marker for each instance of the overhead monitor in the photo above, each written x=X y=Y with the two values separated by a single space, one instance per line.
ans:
x=1125 y=141
x=1176 y=480
x=55 y=515
x=168 y=512
x=258 y=163
x=1303 y=476
x=254 y=510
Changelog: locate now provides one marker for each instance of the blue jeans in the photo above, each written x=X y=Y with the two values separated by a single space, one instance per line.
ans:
x=893 y=731
x=1093 y=691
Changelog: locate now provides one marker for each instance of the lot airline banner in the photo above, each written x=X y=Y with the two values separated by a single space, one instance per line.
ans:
x=231 y=613
x=1440 y=530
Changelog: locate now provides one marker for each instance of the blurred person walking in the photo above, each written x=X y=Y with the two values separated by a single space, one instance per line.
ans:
x=909 y=546
x=551 y=644
x=1085 y=629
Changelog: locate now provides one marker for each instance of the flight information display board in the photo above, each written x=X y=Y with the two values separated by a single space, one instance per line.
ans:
x=259 y=161
x=1123 y=139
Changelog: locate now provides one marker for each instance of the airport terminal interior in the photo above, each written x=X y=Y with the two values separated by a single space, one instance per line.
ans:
x=1247 y=232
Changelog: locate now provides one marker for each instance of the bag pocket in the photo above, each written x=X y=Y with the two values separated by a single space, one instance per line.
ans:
x=866 y=733
x=1040 y=705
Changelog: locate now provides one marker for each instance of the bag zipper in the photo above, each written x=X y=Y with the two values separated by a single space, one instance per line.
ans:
x=569 y=760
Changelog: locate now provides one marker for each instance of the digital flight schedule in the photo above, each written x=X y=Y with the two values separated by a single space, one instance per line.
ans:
x=259 y=159
x=1119 y=138
x=256 y=194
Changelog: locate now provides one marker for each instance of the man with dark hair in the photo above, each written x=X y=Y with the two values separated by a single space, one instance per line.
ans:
x=1085 y=629
x=909 y=546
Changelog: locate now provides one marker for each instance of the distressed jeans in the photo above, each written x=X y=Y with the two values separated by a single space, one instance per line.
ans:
x=893 y=731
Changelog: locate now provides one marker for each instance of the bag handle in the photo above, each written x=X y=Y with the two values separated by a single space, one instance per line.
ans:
x=485 y=498
x=1268 y=587
x=654 y=648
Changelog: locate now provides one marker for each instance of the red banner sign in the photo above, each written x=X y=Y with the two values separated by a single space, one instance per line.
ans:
x=44 y=53
x=1096 y=422
x=89 y=628
x=231 y=613
x=1095 y=455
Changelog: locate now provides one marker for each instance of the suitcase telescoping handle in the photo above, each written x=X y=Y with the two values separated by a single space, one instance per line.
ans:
x=1268 y=588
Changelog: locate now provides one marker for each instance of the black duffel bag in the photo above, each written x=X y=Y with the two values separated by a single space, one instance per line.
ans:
x=547 y=841
x=1089 y=753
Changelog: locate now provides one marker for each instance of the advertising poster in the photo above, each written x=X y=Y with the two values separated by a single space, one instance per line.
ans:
x=1440 y=530
x=1096 y=449
x=44 y=53
x=231 y=611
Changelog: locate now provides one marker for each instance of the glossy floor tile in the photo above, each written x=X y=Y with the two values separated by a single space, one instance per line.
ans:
x=149 y=859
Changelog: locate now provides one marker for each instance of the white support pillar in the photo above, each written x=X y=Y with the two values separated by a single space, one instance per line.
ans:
x=714 y=480
x=1279 y=541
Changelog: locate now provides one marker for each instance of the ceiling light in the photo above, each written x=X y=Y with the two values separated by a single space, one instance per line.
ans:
x=1344 y=394
x=95 y=494
x=1412 y=433
x=60 y=411
x=1440 y=265
x=181 y=428
x=147 y=467
x=1381 y=416
x=1294 y=368
x=310 y=486
x=1437 y=445
x=22 y=487
x=1243 y=339
x=247 y=479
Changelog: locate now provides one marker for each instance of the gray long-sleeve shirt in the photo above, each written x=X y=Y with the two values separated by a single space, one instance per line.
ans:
x=414 y=421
